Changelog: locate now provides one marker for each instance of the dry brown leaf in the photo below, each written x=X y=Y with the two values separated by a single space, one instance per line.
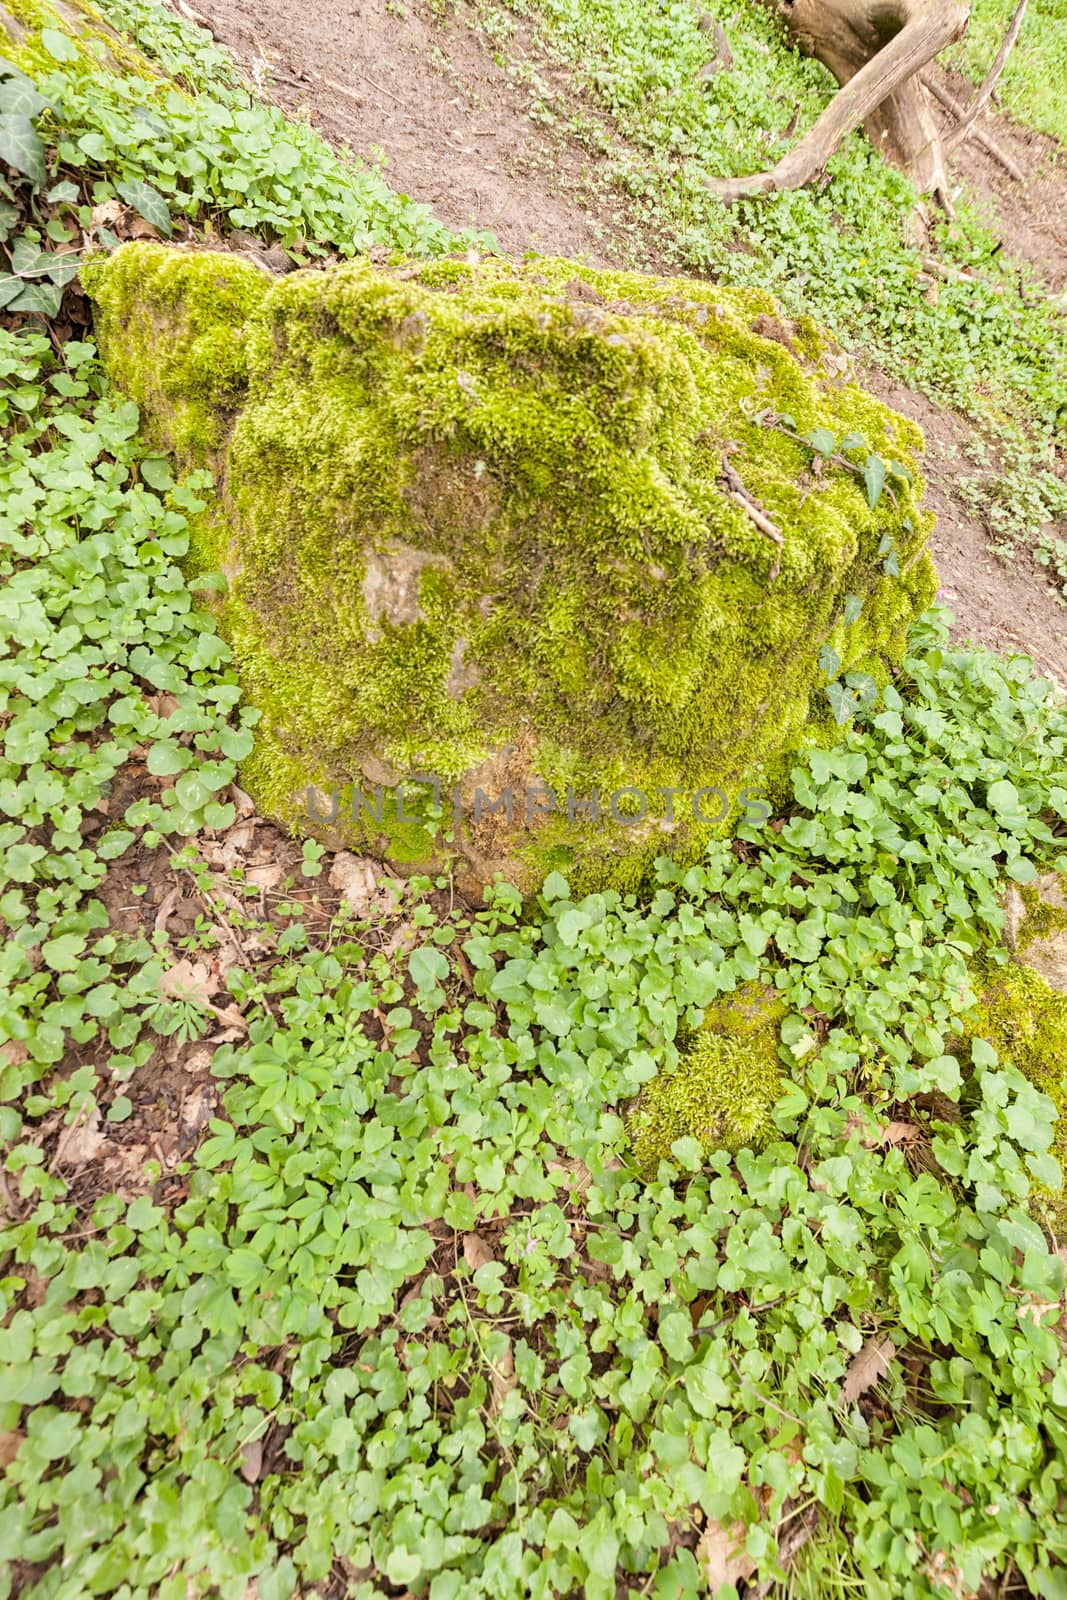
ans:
x=722 y=1557
x=163 y=704
x=10 y=1445
x=476 y=1253
x=81 y=1142
x=228 y=1035
x=107 y=214
x=251 y=1460
x=265 y=877
x=503 y=1380
x=362 y=883
x=188 y=980
x=230 y=1018
x=866 y=1367
x=900 y=1133
x=198 y=1108
x=198 y=1060
x=167 y=907
x=577 y=1171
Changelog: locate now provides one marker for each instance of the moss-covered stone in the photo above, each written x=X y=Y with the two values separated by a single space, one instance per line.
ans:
x=474 y=523
x=1035 y=927
x=724 y=1086
x=1026 y=1023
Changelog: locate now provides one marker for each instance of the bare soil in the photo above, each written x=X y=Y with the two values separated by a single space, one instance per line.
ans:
x=456 y=130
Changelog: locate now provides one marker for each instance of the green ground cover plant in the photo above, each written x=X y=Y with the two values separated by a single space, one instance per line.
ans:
x=415 y=1319
x=88 y=123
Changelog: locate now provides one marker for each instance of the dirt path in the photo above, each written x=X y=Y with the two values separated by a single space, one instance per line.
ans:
x=384 y=78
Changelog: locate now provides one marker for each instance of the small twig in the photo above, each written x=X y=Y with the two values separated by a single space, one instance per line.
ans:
x=339 y=88
x=981 y=99
x=735 y=489
x=979 y=135
x=14 y=1208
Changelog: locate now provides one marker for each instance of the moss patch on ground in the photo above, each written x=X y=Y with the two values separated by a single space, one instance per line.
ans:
x=724 y=1087
x=476 y=522
x=1026 y=1023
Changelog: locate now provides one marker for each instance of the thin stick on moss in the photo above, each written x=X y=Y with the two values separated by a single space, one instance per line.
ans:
x=731 y=483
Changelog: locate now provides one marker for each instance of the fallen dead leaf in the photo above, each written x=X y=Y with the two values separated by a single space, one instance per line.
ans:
x=198 y=1107
x=11 y=1443
x=722 y=1557
x=188 y=980
x=900 y=1133
x=82 y=1141
x=503 y=1380
x=476 y=1253
x=579 y=1174
x=251 y=1460
x=230 y=1018
x=166 y=908
x=362 y=883
x=866 y=1367
x=265 y=877
x=107 y=214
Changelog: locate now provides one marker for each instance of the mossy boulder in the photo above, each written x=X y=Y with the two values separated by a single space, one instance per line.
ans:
x=1035 y=926
x=724 y=1087
x=482 y=521
x=1025 y=1020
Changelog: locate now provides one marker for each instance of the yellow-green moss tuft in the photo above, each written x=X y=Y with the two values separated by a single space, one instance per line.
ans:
x=1042 y=917
x=724 y=1086
x=472 y=522
x=1026 y=1023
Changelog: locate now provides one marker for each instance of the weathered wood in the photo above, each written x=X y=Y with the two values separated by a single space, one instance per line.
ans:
x=876 y=50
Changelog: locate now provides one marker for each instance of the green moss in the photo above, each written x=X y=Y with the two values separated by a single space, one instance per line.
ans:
x=1026 y=1023
x=724 y=1086
x=171 y=328
x=1042 y=918
x=472 y=525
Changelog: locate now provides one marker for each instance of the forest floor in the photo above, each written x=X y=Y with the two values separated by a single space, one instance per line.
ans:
x=458 y=126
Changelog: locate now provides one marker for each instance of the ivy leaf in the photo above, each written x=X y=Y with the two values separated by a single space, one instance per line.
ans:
x=21 y=147
x=822 y=441
x=842 y=702
x=874 y=479
x=853 y=608
x=829 y=661
x=20 y=96
x=864 y=686
x=148 y=202
x=44 y=298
